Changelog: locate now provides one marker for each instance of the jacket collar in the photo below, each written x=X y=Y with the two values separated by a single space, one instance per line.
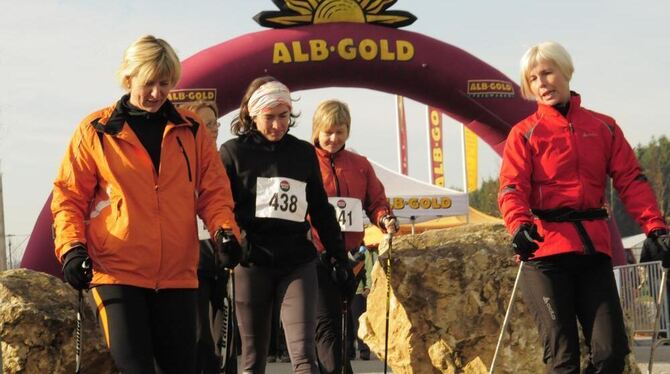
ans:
x=325 y=154
x=113 y=123
x=575 y=103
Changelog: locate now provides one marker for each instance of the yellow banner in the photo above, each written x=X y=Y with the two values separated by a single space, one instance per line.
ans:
x=402 y=134
x=471 y=158
x=435 y=146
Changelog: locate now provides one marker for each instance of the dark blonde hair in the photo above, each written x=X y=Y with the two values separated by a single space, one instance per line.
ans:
x=329 y=113
x=243 y=123
x=149 y=58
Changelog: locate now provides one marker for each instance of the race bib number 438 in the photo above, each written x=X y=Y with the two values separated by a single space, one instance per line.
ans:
x=282 y=198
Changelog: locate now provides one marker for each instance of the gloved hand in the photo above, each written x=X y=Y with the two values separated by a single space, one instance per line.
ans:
x=658 y=246
x=228 y=249
x=341 y=273
x=390 y=224
x=524 y=241
x=77 y=269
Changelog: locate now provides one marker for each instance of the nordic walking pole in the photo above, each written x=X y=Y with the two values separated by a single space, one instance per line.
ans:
x=345 y=358
x=78 y=334
x=223 y=339
x=232 y=353
x=657 y=319
x=389 y=240
x=86 y=265
x=506 y=320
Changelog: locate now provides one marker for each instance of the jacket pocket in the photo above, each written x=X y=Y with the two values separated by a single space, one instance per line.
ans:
x=188 y=163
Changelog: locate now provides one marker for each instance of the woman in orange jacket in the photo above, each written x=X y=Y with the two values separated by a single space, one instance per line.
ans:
x=555 y=167
x=134 y=176
x=352 y=188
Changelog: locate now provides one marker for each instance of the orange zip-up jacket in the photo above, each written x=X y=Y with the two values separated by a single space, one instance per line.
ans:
x=138 y=223
x=551 y=161
x=348 y=174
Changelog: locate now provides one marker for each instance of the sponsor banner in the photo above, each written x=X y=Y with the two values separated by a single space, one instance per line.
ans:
x=344 y=49
x=435 y=155
x=192 y=94
x=402 y=135
x=433 y=206
x=471 y=154
x=488 y=88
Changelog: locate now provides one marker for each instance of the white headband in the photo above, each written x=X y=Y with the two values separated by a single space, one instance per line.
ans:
x=268 y=96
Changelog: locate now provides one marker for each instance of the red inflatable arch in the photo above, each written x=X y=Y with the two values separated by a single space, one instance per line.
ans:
x=344 y=55
x=369 y=56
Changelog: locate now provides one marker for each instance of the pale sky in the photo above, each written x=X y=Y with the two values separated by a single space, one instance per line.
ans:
x=58 y=61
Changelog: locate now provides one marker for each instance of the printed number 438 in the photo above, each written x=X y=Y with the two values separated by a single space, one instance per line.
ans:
x=284 y=202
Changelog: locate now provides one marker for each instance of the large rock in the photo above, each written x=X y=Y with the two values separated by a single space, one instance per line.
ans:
x=37 y=326
x=449 y=293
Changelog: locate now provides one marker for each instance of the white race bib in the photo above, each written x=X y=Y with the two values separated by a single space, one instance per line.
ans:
x=349 y=213
x=282 y=198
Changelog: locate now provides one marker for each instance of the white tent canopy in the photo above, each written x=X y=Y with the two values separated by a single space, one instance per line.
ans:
x=412 y=198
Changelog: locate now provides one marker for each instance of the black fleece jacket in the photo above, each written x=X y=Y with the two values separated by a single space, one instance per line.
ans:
x=278 y=242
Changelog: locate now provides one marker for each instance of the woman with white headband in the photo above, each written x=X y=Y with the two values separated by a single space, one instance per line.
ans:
x=276 y=183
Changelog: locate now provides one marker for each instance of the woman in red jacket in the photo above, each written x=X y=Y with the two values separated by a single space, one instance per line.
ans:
x=352 y=187
x=556 y=164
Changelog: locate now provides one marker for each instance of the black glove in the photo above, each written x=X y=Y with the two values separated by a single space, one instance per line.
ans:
x=228 y=249
x=341 y=273
x=524 y=241
x=77 y=269
x=657 y=247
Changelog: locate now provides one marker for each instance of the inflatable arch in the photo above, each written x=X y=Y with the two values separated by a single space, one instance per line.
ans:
x=344 y=55
x=367 y=56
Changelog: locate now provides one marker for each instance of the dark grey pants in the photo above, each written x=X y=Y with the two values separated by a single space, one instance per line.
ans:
x=295 y=290
x=563 y=289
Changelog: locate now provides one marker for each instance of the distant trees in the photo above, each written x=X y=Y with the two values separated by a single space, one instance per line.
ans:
x=485 y=198
x=654 y=159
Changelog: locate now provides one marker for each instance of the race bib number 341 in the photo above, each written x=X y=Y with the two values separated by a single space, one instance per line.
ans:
x=282 y=198
x=349 y=213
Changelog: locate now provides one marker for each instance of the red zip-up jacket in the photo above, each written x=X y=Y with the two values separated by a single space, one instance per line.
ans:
x=348 y=174
x=551 y=161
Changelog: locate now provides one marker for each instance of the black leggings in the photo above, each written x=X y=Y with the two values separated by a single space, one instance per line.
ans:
x=563 y=289
x=329 y=324
x=256 y=289
x=146 y=330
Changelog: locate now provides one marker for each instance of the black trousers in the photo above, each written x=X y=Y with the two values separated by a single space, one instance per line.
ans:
x=563 y=289
x=358 y=307
x=149 y=331
x=329 y=324
x=256 y=289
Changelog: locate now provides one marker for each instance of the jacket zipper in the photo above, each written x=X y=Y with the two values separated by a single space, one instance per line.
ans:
x=337 y=190
x=188 y=164
x=575 y=140
x=337 y=182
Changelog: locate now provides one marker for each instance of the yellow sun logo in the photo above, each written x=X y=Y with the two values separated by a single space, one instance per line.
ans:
x=306 y=12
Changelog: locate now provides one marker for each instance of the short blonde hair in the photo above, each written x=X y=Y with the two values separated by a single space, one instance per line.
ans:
x=329 y=113
x=545 y=51
x=149 y=58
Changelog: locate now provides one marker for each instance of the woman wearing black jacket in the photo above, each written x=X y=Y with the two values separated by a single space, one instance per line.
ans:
x=276 y=182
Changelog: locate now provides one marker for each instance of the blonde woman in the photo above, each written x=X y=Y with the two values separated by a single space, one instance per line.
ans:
x=134 y=176
x=555 y=168
x=352 y=187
